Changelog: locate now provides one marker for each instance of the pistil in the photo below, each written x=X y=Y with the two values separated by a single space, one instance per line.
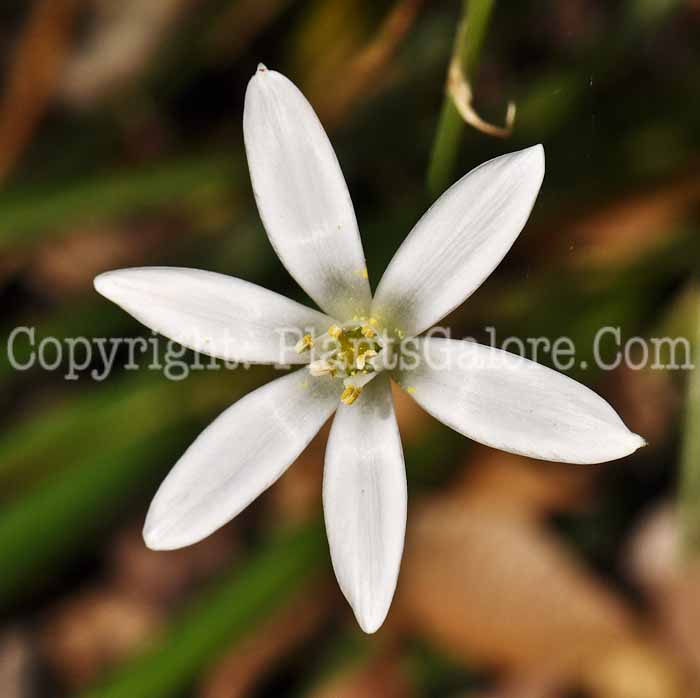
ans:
x=344 y=352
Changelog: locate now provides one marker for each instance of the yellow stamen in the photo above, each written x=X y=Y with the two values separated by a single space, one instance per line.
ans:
x=350 y=394
x=362 y=358
x=411 y=389
x=304 y=344
x=335 y=331
x=367 y=331
x=322 y=368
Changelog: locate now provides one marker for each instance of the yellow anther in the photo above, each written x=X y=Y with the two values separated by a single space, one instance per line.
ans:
x=411 y=389
x=365 y=275
x=350 y=394
x=362 y=358
x=347 y=351
x=373 y=321
x=322 y=368
x=304 y=344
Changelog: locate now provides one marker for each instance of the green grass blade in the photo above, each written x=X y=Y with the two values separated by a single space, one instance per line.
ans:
x=469 y=40
x=42 y=530
x=31 y=215
x=219 y=617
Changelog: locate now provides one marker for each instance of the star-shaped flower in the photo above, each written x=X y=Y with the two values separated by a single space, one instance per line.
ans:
x=504 y=401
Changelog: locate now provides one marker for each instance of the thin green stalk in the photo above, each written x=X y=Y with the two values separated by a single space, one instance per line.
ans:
x=222 y=616
x=471 y=33
x=689 y=497
x=554 y=97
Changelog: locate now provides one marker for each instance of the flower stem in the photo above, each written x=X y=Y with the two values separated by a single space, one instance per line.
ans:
x=471 y=32
x=689 y=496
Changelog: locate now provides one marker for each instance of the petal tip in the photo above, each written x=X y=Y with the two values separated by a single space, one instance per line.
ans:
x=104 y=284
x=262 y=68
x=629 y=443
x=158 y=539
x=640 y=441
x=150 y=538
x=370 y=622
x=535 y=156
x=155 y=540
x=371 y=611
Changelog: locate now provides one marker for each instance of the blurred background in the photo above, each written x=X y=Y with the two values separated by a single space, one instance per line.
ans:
x=121 y=145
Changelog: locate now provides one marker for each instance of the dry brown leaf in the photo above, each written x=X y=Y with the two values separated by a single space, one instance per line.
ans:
x=496 y=591
x=413 y=420
x=69 y=264
x=653 y=557
x=163 y=578
x=16 y=664
x=379 y=678
x=237 y=673
x=242 y=23
x=93 y=631
x=366 y=72
x=334 y=29
x=38 y=63
x=521 y=487
x=649 y=400
x=627 y=229
x=523 y=687
x=672 y=587
x=296 y=496
x=125 y=36
x=494 y=588
x=635 y=670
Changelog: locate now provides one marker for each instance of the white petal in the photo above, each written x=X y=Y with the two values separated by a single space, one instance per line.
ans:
x=459 y=241
x=213 y=313
x=514 y=404
x=302 y=197
x=364 y=502
x=238 y=456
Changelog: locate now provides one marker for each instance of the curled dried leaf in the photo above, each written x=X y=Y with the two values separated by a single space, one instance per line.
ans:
x=460 y=90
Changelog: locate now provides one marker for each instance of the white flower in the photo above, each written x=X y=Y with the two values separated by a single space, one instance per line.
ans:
x=515 y=405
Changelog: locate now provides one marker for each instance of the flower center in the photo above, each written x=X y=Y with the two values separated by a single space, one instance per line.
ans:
x=350 y=352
